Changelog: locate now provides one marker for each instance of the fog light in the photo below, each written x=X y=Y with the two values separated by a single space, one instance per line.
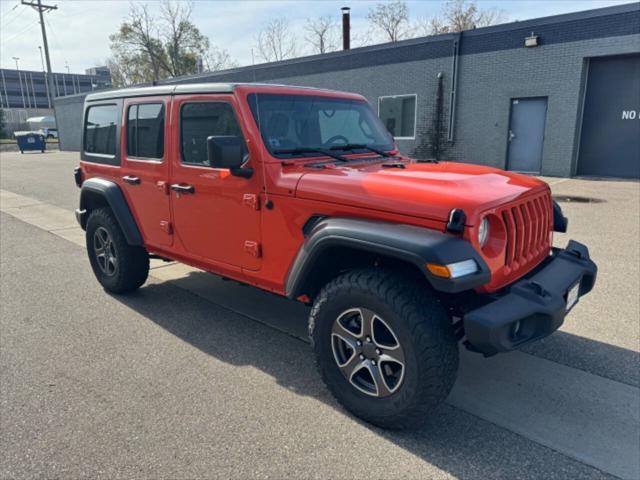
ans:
x=460 y=269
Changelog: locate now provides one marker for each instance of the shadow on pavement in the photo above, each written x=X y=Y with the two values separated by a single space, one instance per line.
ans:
x=452 y=440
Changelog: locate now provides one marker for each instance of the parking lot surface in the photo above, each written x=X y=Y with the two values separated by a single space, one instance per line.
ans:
x=193 y=377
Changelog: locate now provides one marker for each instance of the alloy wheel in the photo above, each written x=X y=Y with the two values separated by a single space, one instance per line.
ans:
x=367 y=352
x=105 y=251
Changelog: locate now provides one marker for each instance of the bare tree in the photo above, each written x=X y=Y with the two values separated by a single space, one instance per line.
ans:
x=392 y=19
x=424 y=27
x=218 y=59
x=321 y=34
x=490 y=16
x=275 y=42
x=458 y=15
x=149 y=47
x=462 y=15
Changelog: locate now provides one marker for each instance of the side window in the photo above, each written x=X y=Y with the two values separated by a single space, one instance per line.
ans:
x=398 y=114
x=100 y=130
x=201 y=120
x=145 y=131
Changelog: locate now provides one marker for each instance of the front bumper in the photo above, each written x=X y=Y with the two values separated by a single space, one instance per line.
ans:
x=533 y=307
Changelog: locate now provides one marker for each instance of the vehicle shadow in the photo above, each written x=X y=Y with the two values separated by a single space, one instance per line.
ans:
x=453 y=440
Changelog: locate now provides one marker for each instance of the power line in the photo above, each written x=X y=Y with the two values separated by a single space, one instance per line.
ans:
x=9 y=19
x=20 y=33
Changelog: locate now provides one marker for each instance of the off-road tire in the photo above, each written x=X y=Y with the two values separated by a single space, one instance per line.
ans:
x=132 y=261
x=423 y=328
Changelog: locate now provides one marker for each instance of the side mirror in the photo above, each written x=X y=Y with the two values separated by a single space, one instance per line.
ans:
x=228 y=151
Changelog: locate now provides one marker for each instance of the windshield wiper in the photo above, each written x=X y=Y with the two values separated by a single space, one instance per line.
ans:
x=360 y=146
x=326 y=153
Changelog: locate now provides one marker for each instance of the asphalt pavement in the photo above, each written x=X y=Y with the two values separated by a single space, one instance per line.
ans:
x=192 y=377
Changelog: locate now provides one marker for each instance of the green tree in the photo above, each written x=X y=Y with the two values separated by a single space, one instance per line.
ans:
x=148 y=47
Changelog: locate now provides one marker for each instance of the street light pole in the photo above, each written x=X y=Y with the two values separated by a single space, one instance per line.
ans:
x=41 y=57
x=24 y=104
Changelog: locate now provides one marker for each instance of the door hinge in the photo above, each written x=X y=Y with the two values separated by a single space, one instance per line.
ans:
x=252 y=248
x=166 y=227
x=251 y=201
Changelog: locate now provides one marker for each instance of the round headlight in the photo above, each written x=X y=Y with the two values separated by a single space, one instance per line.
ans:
x=483 y=232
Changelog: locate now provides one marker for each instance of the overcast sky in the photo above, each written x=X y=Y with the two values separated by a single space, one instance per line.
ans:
x=79 y=30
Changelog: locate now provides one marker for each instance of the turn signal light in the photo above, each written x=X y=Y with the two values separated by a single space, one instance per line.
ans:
x=453 y=270
x=439 y=270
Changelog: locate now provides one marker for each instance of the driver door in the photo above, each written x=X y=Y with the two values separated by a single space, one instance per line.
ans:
x=216 y=215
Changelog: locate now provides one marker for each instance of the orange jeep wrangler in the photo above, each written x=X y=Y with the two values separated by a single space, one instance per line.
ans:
x=302 y=192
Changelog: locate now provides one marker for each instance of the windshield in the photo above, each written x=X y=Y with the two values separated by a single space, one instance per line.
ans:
x=294 y=125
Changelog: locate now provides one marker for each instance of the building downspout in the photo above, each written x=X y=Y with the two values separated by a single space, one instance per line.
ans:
x=454 y=87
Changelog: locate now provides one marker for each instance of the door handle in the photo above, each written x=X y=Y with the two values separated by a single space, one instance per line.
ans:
x=182 y=188
x=511 y=135
x=131 y=180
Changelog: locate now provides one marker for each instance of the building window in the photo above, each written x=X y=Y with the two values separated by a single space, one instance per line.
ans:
x=145 y=131
x=100 y=130
x=398 y=113
x=201 y=120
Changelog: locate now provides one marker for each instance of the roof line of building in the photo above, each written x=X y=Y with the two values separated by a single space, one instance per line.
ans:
x=505 y=27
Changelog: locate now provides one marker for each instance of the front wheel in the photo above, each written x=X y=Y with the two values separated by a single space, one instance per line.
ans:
x=118 y=266
x=384 y=346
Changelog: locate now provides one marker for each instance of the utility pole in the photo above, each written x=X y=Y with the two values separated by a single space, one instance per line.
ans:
x=46 y=83
x=41 y=8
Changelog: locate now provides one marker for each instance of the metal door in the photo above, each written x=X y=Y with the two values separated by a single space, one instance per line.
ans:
x=610 y=137
x=144 y=180
x=526 y=134
x=216 y=215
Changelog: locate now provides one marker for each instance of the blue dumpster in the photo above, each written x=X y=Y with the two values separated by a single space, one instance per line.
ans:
x=31 y=142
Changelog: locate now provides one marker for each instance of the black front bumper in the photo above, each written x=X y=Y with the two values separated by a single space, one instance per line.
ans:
x=533 y=307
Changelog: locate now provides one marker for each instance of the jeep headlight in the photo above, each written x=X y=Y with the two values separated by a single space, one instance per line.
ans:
x=483 y=232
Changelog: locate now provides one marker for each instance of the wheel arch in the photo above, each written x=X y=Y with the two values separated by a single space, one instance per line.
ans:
x=334 y=245
x=99 y=193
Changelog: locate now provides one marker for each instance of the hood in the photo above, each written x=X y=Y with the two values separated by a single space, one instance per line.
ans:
x=426 y=190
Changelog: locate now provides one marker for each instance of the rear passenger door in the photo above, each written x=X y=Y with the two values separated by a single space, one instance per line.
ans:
x=145 y=169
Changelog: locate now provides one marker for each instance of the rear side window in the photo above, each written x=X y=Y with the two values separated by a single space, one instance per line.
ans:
x=145 y=131
x=201 y=120
x=100 y=130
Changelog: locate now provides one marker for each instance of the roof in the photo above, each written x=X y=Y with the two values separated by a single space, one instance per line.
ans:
x=178 y=89
x=162 y=90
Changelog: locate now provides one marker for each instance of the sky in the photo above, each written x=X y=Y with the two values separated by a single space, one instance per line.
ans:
x=78 y=31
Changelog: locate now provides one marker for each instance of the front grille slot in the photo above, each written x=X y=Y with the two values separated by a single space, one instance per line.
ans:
x=527 y=226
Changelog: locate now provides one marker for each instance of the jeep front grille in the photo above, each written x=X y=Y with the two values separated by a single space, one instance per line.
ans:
x=528 y=224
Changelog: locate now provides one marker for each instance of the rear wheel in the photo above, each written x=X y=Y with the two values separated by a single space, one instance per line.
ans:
x=384 y=346
x=118 y=266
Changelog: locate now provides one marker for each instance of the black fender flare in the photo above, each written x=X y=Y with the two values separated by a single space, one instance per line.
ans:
x=407 y=243
x=112 y=194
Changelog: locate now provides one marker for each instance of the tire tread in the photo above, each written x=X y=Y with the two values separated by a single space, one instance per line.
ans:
x=428 y=323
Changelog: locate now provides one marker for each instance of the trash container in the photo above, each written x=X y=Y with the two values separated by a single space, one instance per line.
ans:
x=31 y=142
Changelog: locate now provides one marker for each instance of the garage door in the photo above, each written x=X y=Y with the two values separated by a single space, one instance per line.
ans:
x=610 y=138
